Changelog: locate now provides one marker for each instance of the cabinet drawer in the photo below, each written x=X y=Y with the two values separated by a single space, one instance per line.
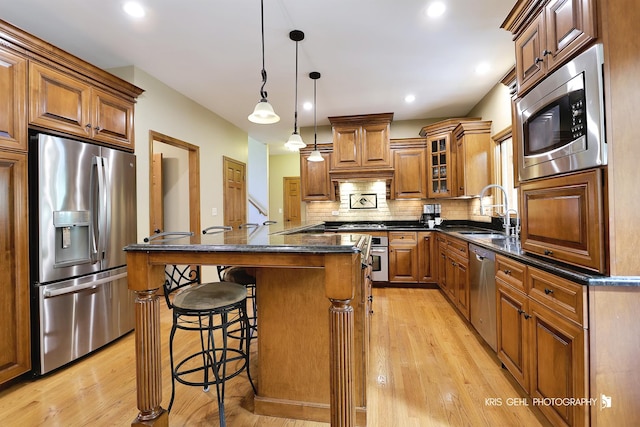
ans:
x=460 y=247
x=561 y=295
x=512 y=272
x=409 y=237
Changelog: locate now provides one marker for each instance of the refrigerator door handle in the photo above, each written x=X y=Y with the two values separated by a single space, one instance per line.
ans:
x=74 y=289
x=101 y=207
x=94 y=207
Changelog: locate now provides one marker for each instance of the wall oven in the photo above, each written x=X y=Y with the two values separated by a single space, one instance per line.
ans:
x=560 y=122
x=380 y=258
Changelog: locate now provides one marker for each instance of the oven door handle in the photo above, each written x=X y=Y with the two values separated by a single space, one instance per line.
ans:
x=378 y=251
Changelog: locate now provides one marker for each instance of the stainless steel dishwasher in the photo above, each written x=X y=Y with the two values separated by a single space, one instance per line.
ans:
x=482 y=288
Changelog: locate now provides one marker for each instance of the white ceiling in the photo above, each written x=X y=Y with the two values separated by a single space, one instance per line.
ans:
x=371 y=53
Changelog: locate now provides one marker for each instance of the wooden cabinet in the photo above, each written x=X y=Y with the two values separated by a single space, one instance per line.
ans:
x=314 y=176
x=66 y=103
x=403 y=256
x=453 y=271
x=13 y=104
x=361 y=142
x=458 y=274
x=409 y=163
x=445 y=161
x=426 y=251
x=547 y=34
x=441 y=263
x=562 y=218
x=542 y=337
x=15 y=353
x=474 y=157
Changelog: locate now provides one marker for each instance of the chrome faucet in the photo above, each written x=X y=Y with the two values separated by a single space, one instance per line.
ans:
x=507 y=223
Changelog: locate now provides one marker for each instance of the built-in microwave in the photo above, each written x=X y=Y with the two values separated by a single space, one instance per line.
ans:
x=560 y=122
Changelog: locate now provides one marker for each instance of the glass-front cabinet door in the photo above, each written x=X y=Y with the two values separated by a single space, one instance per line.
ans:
x=440 y=166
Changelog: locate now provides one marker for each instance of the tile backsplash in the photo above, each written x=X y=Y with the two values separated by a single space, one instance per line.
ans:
x=388 y=210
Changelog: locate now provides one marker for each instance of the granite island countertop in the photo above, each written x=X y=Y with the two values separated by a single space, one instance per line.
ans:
x=274 y=238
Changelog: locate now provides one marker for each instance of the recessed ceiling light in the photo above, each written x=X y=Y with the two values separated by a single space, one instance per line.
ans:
x=483 y=68
x=409 y=98
x=134 y=9
x=307 y=106
x=436 y=9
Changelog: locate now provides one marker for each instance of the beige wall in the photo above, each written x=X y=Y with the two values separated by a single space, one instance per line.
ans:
x=162 y=109
x=495 y=106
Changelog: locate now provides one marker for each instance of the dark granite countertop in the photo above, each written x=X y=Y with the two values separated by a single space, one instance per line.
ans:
x=276 y=238
x=508 y=247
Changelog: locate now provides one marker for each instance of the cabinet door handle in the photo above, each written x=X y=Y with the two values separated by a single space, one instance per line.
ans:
x=548 y=252
x=527 y=316
x=538 y=60
x=507 y=272
x=546 y=52
x=548 y=291
x=98 y=128
x=88 y=126
x=520 y=311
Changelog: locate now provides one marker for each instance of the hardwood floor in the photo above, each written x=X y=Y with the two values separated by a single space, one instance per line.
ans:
x=427 y=368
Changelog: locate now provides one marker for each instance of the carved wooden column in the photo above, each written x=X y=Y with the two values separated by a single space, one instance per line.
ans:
x=144 y=279
x=343 y=408
x=341 y=276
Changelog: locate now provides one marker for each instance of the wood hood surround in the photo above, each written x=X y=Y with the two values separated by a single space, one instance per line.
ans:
x=361 y=147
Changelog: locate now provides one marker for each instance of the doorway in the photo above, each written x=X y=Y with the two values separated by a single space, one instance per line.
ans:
x=234 y=192
x=292 y=199
x=174 y=173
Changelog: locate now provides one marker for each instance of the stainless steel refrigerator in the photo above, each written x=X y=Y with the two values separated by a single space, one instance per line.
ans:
x=82 y=213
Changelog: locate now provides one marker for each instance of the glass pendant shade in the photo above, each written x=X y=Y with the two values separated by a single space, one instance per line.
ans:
x=295 y=142
x=315 y=156
x=263 y=114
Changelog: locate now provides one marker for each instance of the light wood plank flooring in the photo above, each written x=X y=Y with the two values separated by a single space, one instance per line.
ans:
x=427 y=368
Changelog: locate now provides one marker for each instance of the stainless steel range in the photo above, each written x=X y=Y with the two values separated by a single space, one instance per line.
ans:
x=380 y=258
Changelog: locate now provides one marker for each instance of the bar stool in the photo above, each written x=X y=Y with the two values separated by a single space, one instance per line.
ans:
x=245 y=276
x=209 y=309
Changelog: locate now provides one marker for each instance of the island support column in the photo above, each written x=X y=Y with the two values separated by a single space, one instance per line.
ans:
x=144 y=279
x=342 y=274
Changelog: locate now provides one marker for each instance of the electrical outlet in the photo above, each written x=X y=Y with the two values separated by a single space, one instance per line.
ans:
x=214 y=211
x=335 y=213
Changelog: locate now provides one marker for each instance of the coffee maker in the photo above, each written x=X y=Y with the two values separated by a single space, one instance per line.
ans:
x=428 y=213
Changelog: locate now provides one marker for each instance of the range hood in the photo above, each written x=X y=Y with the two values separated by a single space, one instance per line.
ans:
x=361 y=174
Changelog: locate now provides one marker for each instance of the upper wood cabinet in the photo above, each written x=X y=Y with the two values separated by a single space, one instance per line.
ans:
x=562 y=218
x=474 y=157
x=361 y=142
x=409 y=163
x=13 y=101
x=15 y=350
x=547 y=34
x=314 y=176
x=458 y=153
x=63 y=102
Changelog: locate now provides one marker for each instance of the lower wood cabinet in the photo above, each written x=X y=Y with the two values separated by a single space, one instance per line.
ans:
x=426 y=266
x=403 y=256
x=453 y=271
x=544 y=349
x=563 y=218
x=15 y=350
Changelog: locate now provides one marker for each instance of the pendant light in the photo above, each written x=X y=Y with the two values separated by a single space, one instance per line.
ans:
x=315 y=155
x=263 y=113
x=295 y=141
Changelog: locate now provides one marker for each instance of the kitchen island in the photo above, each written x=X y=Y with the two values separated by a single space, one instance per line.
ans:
x=312 y=305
